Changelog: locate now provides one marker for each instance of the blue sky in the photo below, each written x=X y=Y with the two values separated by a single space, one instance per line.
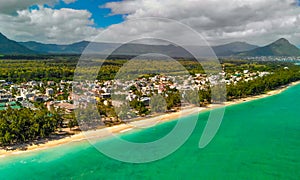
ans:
x=67 y=21
x=101 y=16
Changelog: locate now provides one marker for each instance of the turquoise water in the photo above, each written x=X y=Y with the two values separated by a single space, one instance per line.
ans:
x=257 y=140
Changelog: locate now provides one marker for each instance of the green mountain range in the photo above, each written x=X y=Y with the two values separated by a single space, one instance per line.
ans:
x=9 y=47
x=233 y=48
x=281 y=47
x=133 y=49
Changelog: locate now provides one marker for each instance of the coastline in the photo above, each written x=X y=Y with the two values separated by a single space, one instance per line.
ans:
x=143 y=123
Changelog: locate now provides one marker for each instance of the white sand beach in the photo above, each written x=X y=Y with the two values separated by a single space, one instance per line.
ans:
x=143 y=123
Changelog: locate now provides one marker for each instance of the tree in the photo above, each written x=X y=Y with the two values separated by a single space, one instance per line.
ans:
x=158 y=104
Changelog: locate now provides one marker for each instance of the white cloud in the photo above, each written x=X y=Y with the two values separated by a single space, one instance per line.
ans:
x=69 y=1
x=11 y=6
x=255 y=21
x=49 y=25
x=220 y=21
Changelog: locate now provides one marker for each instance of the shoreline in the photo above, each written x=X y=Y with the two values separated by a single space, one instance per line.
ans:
x=141 y=124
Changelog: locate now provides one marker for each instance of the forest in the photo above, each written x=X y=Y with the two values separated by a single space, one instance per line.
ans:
x=263 y=84
x=25 y=125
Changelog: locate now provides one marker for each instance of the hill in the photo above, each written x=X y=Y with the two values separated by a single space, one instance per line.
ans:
x=233 y=48
x=54 y=48
x=10 y=47
x=281 y=47
x=136 y=49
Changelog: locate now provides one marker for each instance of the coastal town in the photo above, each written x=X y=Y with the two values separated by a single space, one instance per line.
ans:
x=112 y=94
x=149 y=89
x=295 y=59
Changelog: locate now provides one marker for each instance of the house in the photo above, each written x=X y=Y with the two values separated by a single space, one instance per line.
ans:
x=65 y=106
x=5 y=96
x=4 y=100
x=32 y=83
x=145 y=100
x=19 y=98
x=105 y=95
x=26 y=95
x=49 y=92
x=50 y=83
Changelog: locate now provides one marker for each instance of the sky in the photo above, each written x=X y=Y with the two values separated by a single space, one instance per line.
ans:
x=218 y=21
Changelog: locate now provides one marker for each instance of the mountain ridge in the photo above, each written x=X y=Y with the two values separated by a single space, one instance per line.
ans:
x=280 y=47
x=78 y=47
x=9 y=47
x=233 y=48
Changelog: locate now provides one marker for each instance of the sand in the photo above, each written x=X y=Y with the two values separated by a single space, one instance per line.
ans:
x=140 y=124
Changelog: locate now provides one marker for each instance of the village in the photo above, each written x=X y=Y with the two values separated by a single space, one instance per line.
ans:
x=110 y=94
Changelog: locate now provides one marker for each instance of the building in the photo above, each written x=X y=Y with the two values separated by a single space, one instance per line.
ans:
x=26 y=95
x=105 y=95
x=5 y=96
x=49 y=92
x=145 y=100
x=67 y=107
x=51 y=83
x=19 y=98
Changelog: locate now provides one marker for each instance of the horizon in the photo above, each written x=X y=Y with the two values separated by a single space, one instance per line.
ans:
x=86 y=20
x=226 y=43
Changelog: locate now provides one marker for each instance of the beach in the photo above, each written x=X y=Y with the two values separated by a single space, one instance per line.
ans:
x=144 y=123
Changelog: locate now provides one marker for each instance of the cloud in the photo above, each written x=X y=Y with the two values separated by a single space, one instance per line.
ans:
x=49 y=25
x=219 y=21
x=69 y=1
x=12 y=6
x=255 y=21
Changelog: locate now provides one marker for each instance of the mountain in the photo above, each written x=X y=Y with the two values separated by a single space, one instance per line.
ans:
x=233 y=48
x=9 y=47
x=75 y=48
x=103 y=48
x=281 y=47
x=54 y=48
x=135 y=49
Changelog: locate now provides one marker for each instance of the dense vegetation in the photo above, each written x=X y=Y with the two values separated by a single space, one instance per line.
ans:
x=24 y=125
x=63 y=67
x=18 y=71
x=263 y=84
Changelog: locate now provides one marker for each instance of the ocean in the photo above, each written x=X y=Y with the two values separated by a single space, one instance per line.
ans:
x=259 y=139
